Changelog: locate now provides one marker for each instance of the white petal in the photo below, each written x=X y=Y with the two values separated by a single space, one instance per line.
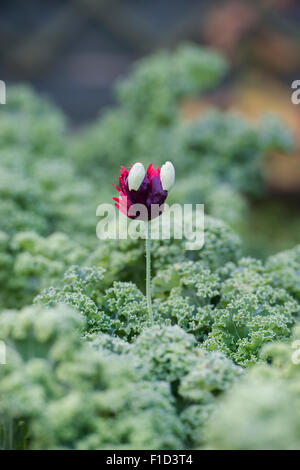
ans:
x=167 y=176
x=136 y=176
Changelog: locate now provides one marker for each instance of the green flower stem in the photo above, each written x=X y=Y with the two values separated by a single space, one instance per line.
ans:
x=148 y=272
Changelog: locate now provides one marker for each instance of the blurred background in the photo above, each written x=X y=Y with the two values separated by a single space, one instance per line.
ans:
x=77 y=52
x=74 y=50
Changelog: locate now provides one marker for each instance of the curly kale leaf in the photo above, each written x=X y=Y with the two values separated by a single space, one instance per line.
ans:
x=262 y=410
x=59 y=393
x=119 y=310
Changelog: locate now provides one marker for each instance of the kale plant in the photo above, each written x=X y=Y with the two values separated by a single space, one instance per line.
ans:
x=262 y=411
x=56 y=392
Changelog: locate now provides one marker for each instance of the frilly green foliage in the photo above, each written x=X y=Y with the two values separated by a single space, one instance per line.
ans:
x=251 y=313
x=262 y=411
x=30 y=262
x=41 y=194
x=196 y=377
x=236 y=155
x=125 y=259
x=212 y=375
x=79 y=290
x=186 y=312
x=219 y=157
x=31 y=123
x=233 y=307
x=165 y=353
x=21 y=204
x=221 y=244
x=284 y=269
x=148 y=108
x=159 y=82
x=124 y=310
x=119 y=310
x=58 y=393
x=190 y=293
x=41 y=189
x=107 y=344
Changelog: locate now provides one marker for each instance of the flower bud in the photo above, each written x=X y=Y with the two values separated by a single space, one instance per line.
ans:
x=167 y=176
x=136 y=176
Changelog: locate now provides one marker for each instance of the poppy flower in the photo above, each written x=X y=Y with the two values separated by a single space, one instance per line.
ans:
x=143 y=193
